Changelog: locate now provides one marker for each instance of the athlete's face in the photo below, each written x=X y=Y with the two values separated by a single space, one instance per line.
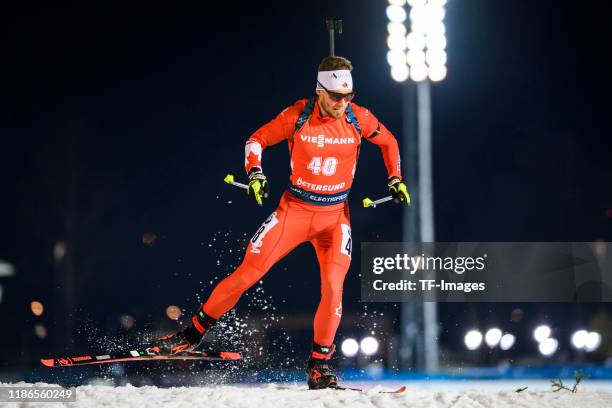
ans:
x=330 y=106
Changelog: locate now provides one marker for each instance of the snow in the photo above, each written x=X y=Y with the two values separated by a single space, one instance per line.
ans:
x=420 y=394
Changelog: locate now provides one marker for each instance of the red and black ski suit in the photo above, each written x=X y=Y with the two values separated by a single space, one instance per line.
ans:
x=323 y=154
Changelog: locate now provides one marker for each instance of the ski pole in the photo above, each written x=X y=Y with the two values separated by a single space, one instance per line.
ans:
x=229 y=179
x=367 y=202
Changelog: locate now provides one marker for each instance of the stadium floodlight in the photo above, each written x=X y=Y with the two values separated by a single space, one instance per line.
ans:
x=418 y=13
x=399 y=73
x=396 y=28
x=369 y=346
x=541 y=333
x=435 y=41
x=415 y=41
x=548 y=346
x=418 y=72
x=437 y=73
x=396 y=57
x=435 y=13
x=493 y=337
x=416 y=3
x=592 y=342
x=579 y=339
x=473 y=339
x=435 y=28
x=349 y=347
x=435 y=57
x=427 y=35
x=507 y=341
x=415 y=57
x=396 y=42
x=396 y=14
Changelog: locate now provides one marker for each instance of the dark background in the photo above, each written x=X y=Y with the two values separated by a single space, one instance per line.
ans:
x=122 y=120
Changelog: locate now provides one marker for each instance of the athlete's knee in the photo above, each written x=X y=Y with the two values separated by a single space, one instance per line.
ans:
x=332 y=282
x=245 y=276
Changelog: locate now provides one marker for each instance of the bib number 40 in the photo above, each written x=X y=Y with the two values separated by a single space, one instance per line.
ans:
x=326 y=165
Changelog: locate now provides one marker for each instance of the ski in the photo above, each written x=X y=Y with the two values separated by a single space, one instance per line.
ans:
x=396 y=391
x=137 y=355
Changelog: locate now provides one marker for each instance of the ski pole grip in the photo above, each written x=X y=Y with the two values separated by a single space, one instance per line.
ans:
x=229 y=179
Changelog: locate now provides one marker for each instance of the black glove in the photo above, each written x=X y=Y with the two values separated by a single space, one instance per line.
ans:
x=398 y=191
x=258 y=185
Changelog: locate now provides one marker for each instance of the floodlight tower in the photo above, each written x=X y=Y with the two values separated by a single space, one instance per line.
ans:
x=418 y=55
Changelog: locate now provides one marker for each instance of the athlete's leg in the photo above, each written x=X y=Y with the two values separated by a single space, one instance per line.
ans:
x=285 y=229
x=333 y=249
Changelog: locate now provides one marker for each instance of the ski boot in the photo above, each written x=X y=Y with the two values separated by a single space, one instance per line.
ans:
x=319 y=374
x=185 y=340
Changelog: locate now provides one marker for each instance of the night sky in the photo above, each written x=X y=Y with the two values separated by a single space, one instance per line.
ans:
x=118 y=121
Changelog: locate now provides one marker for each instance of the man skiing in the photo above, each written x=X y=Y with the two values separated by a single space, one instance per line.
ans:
x=324 y=135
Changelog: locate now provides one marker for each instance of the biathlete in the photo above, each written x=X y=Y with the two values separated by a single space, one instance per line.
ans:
x=324 y=135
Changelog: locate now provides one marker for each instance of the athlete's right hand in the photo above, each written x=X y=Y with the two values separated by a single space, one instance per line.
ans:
x=258 y=185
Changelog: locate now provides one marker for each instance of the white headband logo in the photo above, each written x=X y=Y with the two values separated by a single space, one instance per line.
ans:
x=335 y=80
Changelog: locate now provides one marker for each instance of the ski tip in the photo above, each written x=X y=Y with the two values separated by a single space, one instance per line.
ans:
x=47 y=362
x=229 y=355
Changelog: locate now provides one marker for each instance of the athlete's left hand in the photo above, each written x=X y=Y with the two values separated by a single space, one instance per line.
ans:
x=398 y=191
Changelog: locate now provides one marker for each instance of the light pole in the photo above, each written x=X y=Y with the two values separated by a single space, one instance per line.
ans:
x=418 y=54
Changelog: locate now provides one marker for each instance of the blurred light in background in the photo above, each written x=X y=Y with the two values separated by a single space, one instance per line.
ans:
x=507 y=341
x=541 y=333
x=37 y=308
x=369 y=346
x=548 y=346
x=173 y=312
x=592 y=341
x=517 y=315
x=127 y=321
x=40 y=331
x=579 y=339
x=349 y=347
x=493 y=337
x=6 y=269
x=473 y=339
x=59 y=250
x=149 y=238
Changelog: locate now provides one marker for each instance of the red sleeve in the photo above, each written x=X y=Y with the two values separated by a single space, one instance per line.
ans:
x=374 y=131
x=273 y=132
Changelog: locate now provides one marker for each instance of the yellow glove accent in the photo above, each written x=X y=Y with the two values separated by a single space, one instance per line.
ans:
x=256 y=190
x=399 y=191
